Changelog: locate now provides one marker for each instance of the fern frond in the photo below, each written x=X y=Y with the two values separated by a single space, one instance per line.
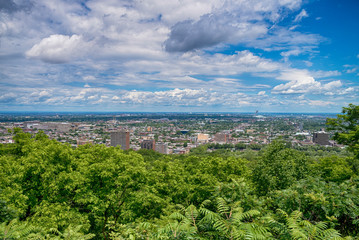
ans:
x=330 y=234
x=222 y=206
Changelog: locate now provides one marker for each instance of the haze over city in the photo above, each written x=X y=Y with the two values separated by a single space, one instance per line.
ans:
x=179 y=56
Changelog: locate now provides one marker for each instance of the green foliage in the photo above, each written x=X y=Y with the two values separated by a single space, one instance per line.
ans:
x=278 y=168
x=346 y=127
x=16 y=230
x=321 y=201
x=6 y=213
x=333 y=168
x=294 y=227
x=49 y=190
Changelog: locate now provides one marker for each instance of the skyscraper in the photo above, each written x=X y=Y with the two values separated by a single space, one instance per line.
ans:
x=121 y=138
x=221 y=137
x=162 y=148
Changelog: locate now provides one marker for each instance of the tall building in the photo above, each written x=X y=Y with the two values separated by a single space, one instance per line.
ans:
x=321 y=138
x=148 y=144
x=121 y=138
x=221 y=137
x=162 y=148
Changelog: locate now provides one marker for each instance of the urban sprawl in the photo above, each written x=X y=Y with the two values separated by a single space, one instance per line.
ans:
x=173 y=133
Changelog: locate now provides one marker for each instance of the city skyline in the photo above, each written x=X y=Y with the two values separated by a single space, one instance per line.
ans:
x=179 y=56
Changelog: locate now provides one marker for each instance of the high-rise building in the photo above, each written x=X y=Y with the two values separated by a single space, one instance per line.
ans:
x=221 y=137
x=321 y=138
x=121 y=138
x=148 y=144
x=162 y=148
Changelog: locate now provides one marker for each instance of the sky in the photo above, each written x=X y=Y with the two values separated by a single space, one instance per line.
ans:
x=179 y=55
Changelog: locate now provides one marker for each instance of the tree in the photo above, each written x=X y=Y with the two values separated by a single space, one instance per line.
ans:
x=346 y=127
x=278 y=168
x=333 y=168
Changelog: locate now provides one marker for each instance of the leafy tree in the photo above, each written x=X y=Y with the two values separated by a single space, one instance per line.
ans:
x=333 y=168
x=294 y=227
x=336 y=203
x=278 y=168
x=6 y=213
x=346 y=127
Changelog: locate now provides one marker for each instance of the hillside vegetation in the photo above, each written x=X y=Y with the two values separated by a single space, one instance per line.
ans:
x=49 y=190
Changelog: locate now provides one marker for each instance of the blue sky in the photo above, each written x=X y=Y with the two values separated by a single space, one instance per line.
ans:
x=188 y=55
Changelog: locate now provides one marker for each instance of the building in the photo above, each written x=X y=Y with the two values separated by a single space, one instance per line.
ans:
x=202 y=137
x=148 y=144
x=162 y=148
x=321 y=138
x=221 y=138
x=121 y=138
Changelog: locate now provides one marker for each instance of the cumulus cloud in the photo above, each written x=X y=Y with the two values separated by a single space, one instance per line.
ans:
x=189 y=35
x=210 y=30
x=122 y=45
x=235 y=22
x=302 y=82
x=261 y=93
x=171 y=97
x=57 y=48
x=184 y=97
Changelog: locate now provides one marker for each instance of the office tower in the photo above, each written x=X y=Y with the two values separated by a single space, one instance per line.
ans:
x=162 y=148
x=121 y=138
x=221 y=138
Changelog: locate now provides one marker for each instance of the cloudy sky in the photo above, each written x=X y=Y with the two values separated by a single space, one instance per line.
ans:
x=179 y=55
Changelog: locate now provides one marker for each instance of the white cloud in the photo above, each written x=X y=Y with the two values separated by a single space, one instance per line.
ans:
x=325 y=74
x=261 y=93
x=320 y=103
x=121 y=45
x=352 y=70
x=58 y=49
x=308 y=63
x=302 y=82
x=301 y=15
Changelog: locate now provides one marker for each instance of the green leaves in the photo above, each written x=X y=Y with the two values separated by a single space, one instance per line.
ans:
x=94 y=191
x=278 y=168
x=346 y=127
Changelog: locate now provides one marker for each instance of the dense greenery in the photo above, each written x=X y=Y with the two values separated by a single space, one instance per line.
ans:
x=49 y=190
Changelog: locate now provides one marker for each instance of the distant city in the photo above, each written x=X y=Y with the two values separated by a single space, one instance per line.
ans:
x=172 y=133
